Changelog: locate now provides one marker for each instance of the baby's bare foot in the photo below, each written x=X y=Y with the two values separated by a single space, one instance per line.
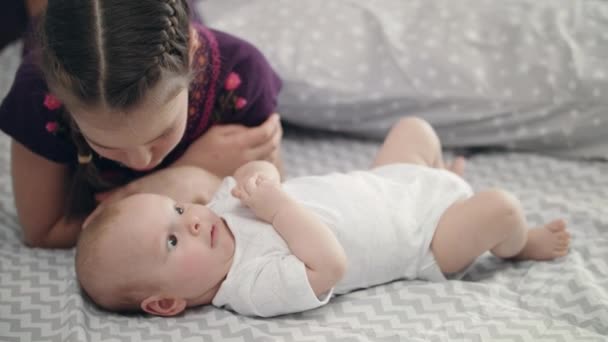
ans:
x=457 y=166
x=546 y=242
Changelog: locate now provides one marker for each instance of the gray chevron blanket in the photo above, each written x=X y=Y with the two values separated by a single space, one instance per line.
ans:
x=563 y=300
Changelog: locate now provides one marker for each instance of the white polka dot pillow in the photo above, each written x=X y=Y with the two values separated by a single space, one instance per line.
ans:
x=527 y=74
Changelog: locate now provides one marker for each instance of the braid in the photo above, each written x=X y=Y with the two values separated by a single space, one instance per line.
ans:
x=173 y=38
x=86 y=179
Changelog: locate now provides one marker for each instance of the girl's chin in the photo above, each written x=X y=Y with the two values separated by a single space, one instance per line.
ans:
x=147 y=167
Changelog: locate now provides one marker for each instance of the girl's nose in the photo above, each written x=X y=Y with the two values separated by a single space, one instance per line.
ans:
x=139 y=158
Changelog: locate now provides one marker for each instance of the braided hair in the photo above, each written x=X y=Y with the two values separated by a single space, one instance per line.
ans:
x=109 y=54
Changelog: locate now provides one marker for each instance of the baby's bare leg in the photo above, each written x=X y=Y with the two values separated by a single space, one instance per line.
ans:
x=493 y=220
x=412 y=140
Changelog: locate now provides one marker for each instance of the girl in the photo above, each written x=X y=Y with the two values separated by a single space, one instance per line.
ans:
x=127 y=96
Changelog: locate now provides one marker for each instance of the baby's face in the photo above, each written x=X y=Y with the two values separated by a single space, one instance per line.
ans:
x=187 y=248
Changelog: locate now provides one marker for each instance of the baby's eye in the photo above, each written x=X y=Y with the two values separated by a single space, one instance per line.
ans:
x=171 y=241
x=179 y=209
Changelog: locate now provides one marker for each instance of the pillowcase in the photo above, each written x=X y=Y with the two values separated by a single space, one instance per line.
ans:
x=524 y=74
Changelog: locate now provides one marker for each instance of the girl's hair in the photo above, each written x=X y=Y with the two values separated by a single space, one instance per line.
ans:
x=109 y=54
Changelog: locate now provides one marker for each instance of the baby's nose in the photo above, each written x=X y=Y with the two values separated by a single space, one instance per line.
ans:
x=194 y=226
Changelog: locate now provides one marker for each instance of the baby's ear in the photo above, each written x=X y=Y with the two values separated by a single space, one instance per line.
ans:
x=163 y=306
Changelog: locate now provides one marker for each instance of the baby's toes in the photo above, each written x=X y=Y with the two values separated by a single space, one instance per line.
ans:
x=563 y=237
x=458 y=166
x=560 y=252
x=557 y=226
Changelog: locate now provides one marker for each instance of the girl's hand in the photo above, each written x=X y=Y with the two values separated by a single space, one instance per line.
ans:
x=262 y=195
x=224 y=148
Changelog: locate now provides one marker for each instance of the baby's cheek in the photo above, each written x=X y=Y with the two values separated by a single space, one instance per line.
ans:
x=191 y=266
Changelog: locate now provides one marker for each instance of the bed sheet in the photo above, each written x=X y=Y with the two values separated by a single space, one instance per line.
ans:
x=562 y=300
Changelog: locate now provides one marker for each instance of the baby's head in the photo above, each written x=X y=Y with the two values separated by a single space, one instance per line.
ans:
x=148 y=253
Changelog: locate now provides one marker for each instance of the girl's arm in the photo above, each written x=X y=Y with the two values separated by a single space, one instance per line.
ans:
x=40 y=189
x=224 y=148
x=308 y=237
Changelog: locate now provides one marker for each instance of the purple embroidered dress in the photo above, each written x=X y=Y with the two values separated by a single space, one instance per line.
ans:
x=234 y=84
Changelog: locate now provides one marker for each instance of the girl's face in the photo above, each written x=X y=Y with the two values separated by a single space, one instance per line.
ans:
x=142 y=137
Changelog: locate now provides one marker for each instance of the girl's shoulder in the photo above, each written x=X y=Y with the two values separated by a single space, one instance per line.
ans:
x=230 y=54
x=231 y=48
x=237 y=50
x=238 y=81
x=32 y=116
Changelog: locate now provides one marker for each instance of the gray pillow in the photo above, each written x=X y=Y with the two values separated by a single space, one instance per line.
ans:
x=528 y=74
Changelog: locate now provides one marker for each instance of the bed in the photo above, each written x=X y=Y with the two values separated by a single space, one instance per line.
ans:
x=561 y=300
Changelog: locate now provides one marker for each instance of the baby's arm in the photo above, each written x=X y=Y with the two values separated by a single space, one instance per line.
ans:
x=308 y=238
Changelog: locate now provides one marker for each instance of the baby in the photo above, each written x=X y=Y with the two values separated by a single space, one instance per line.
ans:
x=264 y=248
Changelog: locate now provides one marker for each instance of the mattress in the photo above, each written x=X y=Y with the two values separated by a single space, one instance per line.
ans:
x=561 y=300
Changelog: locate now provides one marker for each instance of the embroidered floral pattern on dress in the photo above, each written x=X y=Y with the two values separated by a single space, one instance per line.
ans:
x=233 y=81
x=240 y=103
x=54 y=126
x=51 y=102
x=229 y=102
x=206 y=63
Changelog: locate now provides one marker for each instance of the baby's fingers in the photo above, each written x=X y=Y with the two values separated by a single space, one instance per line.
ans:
x=252 y=183
x=259 y=179
x=237 y=192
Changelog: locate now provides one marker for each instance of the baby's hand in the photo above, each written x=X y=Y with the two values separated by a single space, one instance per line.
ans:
x=262 y=195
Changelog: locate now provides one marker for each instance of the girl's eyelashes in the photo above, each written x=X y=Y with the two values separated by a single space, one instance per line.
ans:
x=179 y=209
x=167 y=133
x=171 y=241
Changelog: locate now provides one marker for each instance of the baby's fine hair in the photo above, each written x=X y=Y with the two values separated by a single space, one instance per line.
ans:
x=96 y=277
x=109 y=54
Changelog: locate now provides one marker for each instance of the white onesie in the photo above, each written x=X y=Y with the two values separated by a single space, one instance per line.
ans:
x=384 y=218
